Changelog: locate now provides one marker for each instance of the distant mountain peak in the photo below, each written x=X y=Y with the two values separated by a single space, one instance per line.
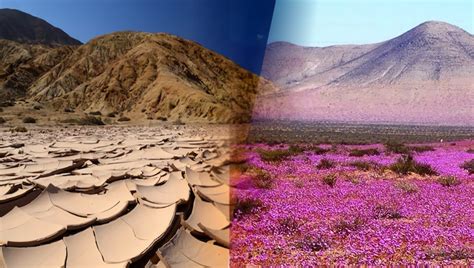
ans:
x=16 y=25
x=422 y=75
x=435 y=29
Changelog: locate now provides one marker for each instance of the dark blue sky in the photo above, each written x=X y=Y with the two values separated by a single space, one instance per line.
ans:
x=237 y=29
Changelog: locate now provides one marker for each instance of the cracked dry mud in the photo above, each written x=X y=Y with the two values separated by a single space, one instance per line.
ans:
x=115 y=196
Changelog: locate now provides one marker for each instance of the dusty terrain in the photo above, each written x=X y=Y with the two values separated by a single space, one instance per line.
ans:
x=95 y=196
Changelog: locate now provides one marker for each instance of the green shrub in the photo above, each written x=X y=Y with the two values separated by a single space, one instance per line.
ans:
x=448 y=181
x=469 y=166
x=325 y=164
x=406 y=164
x=29 y=120
x=362 y=152
x=396 y=147
x=330 y=180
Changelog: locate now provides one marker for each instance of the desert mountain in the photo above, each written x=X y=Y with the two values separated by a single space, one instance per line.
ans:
x=21 y=64
x=22 y=27
x=421 y=76
x=149 y=75
x=134 y=74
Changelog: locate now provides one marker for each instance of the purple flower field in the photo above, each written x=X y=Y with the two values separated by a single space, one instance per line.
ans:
x=297 y=211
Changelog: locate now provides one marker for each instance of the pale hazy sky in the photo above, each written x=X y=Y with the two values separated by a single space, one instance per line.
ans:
x=330 y=22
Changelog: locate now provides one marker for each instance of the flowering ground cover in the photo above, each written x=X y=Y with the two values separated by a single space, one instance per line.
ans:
x=322 y=206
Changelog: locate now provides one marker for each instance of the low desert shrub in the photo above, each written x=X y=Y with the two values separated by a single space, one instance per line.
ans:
x=362 y=152
x=396 y=147
x=246 y=206
x=313 y=243
x=18 y=129
x=288 y=225
x=391 y=212
x=407 y=187
x=29 y=120
x=346 y=226
x=470 y=150
x=294 y=150
x=273 y=155
x=407 y=164
x=421 y=148
x=95 y=113
x=261 y=179
x=469 y=166
x=123 y=119
x=162 y=118
x=318 y=150
x=325 y=164
x=362 y=165
x=112 y=114
x=86 y=121
x=68 y=110
x=37 y=107
x=448 y=181
x=330 y=180
x=2 y=120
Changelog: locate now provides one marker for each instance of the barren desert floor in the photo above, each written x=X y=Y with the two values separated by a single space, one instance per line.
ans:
x=115 y=196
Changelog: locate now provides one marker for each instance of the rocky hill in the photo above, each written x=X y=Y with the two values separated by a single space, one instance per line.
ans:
x=21 y=64
x=19 y=26
x=421 y=76
x=132 y=74
x=150 y=75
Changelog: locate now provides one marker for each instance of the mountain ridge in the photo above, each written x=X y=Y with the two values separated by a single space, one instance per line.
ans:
x=16 y=25
x=414 y=73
